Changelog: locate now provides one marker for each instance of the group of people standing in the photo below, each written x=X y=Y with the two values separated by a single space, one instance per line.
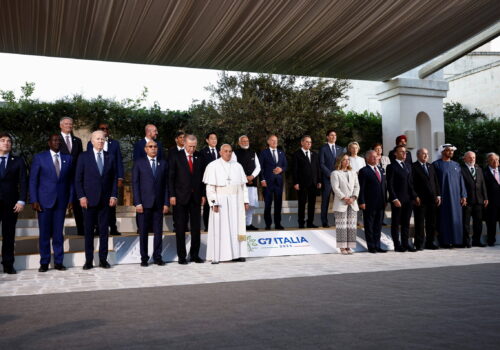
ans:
x=444 y=196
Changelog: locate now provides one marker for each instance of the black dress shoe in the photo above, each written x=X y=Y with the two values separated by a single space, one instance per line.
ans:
x=400 y=249
x=380 y=250
x=482 y=245
x=215 y=262
x=412 y=249
x=491 y=244
x=9 y=270
x=104 y=264
x=268 y=227
x=252 y=228
x=60 y=267
x=431 y=247
x=159 y=262
x=198 y=260
x=372 y=250
x=278 y=227
x=325 y=225
x=144 y=264
x=312 y=226
x=115 y=233
x=88 y=266
x=301 y=226
x=241 y=259
x=182 y=262
x=43 y=268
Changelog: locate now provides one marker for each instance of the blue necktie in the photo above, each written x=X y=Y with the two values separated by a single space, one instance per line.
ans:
x=214 y=157
x=425 y=169
x=100 y=164
x=2 y=167
x=274 y=156
x=153 y=167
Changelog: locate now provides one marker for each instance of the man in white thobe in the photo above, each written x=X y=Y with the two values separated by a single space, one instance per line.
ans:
x=227 y=196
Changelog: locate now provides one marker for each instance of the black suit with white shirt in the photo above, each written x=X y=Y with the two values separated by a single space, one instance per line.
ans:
x=306 y=174
x=476 y=195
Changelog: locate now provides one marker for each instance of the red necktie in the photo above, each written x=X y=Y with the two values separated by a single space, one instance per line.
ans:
x=190 y=162
x=378 y=174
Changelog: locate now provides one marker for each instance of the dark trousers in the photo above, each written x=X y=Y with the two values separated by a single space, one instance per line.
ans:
x=112 y=220
x=325 y=200
x=206 y=214
x=78 y=215
x=372 y=221
x=425 y=224
x=273 y=194
x=400 y=221
x=51 y=223
x=173 y=217
x=307 y=195
x=474 y=211
x=99 y=215
x=192 y=208
x=151 y=217
x=492 y=218
x=9 y=220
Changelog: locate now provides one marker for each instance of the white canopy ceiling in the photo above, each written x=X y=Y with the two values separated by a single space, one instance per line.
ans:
x=356 y=39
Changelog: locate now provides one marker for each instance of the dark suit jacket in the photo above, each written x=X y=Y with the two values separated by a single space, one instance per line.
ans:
x=150 y=190
x=426 y=187
x=171 y=152
x=268 y=164
x=306 y=173
x=45 y=186
x=182 y=184
x=139 y=149
x=115 y=151
x=492 y=189
x=476 y=189
x=326 y=159
x=89 y=183
x=76 y=147
x=206 y=157
x=14 y=184
x=400 y=183
x=371 y=191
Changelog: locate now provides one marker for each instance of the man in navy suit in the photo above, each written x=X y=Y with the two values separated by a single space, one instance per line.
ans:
x=113 y=148
x=151 y=135
x=50 y=192
x=209 y=153
x=492 y=181
x=72 y=145
x=372 y=200
x=96 y=189
x=13 y=193
x=328 y=154
x=151 y=200
x=401 y=195
x=187 y=194
x=273 y=166
x=179 y=146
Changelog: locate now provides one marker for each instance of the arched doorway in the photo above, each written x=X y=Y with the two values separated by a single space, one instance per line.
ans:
x=424 y=133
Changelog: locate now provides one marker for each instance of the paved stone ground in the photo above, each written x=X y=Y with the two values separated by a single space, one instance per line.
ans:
x=31 y=282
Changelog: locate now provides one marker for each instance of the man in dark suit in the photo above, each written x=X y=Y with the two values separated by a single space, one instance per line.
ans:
x=96 y=189
x=273 y=166
x=426 y=186
x=187 y=194
x=172 y=151
x=13 y=193
x=401 y=195
x=151 y=134
x=327 y=157
x=208 y=154
x=72 y=145
x=372 y=200
x=477 y=199
x=151 y=200
x=492 y=180
x=306 y=180
x=401 y=140
x=113 y=148
x=51 y=177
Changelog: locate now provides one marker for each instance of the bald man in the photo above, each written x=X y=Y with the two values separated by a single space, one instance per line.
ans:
x=151 y=134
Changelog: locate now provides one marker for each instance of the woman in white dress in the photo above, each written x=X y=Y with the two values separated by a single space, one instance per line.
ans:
x=356 y=161
x=345 y=186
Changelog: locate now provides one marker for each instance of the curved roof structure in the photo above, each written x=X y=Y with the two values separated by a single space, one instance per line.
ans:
x=355 y=39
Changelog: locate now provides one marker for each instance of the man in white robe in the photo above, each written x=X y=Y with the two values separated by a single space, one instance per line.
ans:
x=227 y=196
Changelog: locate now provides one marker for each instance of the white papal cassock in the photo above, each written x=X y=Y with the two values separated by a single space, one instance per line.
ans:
x=226 y=187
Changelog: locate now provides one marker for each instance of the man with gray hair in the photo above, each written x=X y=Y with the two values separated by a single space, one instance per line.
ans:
x=477 y=199
x=72 y=145
x=251 y=165
x=492 y=180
